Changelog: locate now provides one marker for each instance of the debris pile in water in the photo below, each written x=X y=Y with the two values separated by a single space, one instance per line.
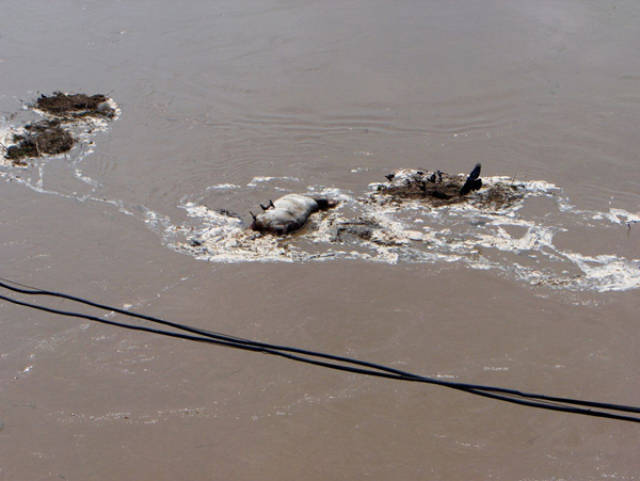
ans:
x=46 y=137
x=53 y=135
x=439 y=188
x=435 y=189
x=70 y=106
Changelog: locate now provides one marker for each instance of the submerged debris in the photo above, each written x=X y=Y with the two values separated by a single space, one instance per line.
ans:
x=39 y=138
x=439 y=188
x=75 y=105
x=228 y=213
x=358 y=229
x=499 y=195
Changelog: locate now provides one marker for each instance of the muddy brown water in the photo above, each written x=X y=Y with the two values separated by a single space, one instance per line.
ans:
x=334 y=95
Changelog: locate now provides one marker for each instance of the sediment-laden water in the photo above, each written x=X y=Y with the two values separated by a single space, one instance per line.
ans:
x=221 y=106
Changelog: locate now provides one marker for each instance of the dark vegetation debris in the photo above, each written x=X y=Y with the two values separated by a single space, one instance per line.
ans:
x=440 y=188
x=52 y=136
x=75 y=105
x=46 y=137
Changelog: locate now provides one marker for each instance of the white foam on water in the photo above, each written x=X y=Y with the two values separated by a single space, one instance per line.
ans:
x=6 y=134
x=33 y=175
x=605 y=272
x=223 y=187
x=222 y=238
x=505 y=238
x=261 y=180
x=617 y=216
x=86 y=179
x=412 y=232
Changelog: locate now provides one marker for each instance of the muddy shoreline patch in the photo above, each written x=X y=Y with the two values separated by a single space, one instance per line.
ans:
x=53 y=135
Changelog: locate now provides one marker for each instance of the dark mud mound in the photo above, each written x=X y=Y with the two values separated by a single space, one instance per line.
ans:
x=440 y=188
x=41 y=138
x=75 y=105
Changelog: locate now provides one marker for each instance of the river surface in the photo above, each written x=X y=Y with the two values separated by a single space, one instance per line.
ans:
x=227 y=104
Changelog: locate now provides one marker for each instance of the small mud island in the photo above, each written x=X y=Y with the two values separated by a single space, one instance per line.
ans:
x=52 y=135
x=437 y=189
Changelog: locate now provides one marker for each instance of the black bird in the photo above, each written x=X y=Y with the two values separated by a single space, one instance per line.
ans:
x=473 y=181
x=390 y=177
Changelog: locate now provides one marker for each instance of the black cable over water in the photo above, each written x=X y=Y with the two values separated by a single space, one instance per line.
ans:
x=322 y=359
